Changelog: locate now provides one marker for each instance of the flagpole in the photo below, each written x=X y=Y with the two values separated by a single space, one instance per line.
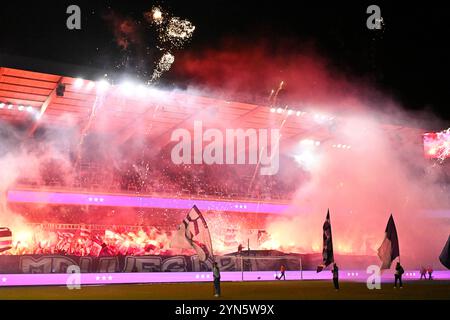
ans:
x=212 y=250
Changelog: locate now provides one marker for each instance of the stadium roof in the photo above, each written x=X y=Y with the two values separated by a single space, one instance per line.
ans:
x=29 y=99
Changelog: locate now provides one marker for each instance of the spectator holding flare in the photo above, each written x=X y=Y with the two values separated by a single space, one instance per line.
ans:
x=216 y=275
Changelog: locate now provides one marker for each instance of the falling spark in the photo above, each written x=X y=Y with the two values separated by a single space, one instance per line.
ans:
x=280 y=87
x=164 y=65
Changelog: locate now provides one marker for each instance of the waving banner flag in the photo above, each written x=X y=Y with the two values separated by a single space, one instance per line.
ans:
x=389 y=249
x=5 y=239
x=193 y=233
x=445 y=255
x=327 y=252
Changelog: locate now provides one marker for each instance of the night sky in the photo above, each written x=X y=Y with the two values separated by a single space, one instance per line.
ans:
x=409 y=60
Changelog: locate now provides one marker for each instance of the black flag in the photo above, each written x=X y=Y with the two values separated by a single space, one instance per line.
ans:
x=389 y=249
x=327 y=252
x=445 y=255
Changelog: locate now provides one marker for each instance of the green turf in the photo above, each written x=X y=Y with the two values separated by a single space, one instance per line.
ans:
x=279 y=290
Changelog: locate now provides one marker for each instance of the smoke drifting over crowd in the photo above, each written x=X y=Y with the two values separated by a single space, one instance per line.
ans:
x=379 y=175
x=382 y=173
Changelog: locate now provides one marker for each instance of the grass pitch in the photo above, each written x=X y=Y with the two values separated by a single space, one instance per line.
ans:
x=277 y=290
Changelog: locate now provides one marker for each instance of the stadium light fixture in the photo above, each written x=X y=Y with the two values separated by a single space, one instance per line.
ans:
x=128 y=88
x=78 y=83
x=102 y=85
x=90 y=85
x=141 y=90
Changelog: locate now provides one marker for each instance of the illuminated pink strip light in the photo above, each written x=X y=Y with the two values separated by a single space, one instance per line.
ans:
x=174 y=277
x=141 y=202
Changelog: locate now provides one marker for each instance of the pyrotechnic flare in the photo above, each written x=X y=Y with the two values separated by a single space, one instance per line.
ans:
x=389 y=249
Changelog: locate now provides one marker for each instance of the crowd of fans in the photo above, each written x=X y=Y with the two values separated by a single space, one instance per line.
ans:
x=113 y=240
x=158 y=174
x=86 y=242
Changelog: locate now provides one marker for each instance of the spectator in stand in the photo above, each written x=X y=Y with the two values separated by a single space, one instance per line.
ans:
x=104 y=252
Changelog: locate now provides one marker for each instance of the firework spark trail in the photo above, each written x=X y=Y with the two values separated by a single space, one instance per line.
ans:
x=277 y=144
x=98 y=101
x=164 y=65
x=280 y=87
x=270 y=97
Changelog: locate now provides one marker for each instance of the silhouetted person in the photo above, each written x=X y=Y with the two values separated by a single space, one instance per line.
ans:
x=335 y=272
x=282 y=273
x=398 y=275
x=423 y=273
x=216 y=275
x=430 y=272
x=104 y=252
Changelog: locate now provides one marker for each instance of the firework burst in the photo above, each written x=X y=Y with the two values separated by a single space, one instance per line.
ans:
x=163 y=65
x=444 y=138
x=173 y=33
x=177 y=32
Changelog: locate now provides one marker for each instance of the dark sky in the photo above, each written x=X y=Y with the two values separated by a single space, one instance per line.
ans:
x=409 y=60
